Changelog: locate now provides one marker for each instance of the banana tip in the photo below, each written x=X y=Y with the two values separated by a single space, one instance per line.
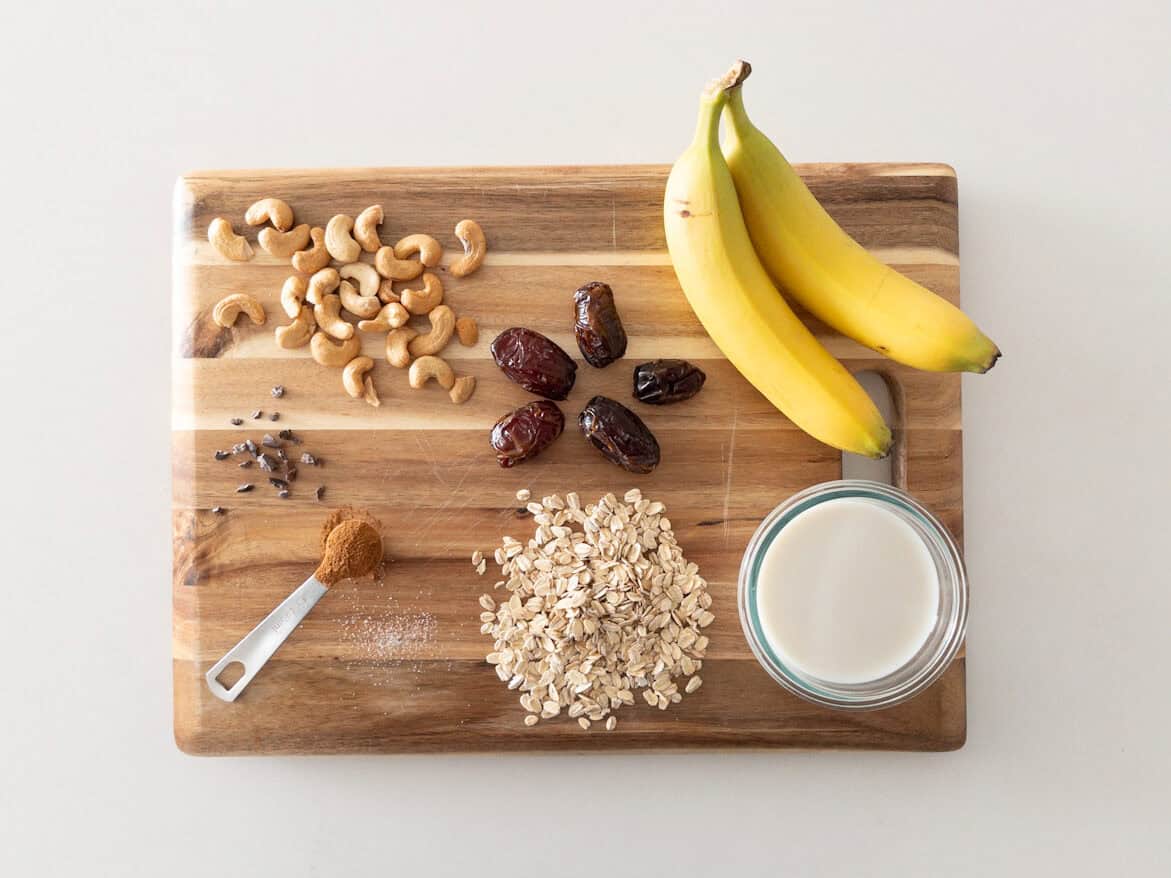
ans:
x=879 y=447
x=992 y=361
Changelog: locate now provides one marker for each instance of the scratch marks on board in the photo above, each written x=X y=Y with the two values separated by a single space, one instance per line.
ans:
x=728 y=470
x=614 y=223
x=456 y=500
x=434 y=459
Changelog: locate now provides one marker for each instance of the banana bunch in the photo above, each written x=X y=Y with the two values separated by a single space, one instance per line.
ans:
x=738 y=221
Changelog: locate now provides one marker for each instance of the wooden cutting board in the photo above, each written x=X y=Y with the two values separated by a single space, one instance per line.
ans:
x=398 y=665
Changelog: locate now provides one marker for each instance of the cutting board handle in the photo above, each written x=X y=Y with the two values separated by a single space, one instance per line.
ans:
x=884 y=388
x=261 y=642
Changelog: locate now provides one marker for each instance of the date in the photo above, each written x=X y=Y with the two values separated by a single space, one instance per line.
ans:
x=662 y=382
x=526 y=432
x=597 y=326
x=534 y=362
x=619 y=434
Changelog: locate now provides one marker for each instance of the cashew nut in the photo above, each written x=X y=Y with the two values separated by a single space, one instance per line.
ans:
x=392 y=316
x=428 y=248
x=426 y=300
x=371 y=395
x=426 y=368
x=284 y=243
x=316 y=257
x=327 y=352
x=354 y=374
x=329 y=319
x=293 y=295
x=442 y=326
x=338 y=242
x=360 y=306
x=271 y=210
x=227 y=242
x=475 y=248
x=386 y=292
x=396 y=269
x=322 y=283
x=365 y=274
x=297 y=333
x=463 y=388
x=397 y=343
x=228 y=309
x=366 y=228
x=468 y=331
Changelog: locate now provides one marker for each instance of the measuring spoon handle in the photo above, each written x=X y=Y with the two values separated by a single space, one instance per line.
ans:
x=261 y=642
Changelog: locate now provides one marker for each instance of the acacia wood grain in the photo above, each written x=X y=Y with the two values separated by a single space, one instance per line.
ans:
x=396 y=664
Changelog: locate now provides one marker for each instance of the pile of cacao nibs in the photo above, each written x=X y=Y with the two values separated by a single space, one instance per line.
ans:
x=272 y=455
x=540 y=366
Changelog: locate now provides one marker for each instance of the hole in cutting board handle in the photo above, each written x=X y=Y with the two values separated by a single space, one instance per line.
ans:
x=230 y=675
x=855 y=466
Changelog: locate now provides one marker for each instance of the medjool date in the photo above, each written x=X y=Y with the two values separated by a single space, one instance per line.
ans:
x=619 y=434
x=597 y=326
x=534 y=362
x=661 y=382
x=526 y=431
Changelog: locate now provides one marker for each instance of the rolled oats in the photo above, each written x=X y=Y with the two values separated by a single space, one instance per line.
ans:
x=603 y=605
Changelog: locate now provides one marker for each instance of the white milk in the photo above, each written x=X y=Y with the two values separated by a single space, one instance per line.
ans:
x=847 y=591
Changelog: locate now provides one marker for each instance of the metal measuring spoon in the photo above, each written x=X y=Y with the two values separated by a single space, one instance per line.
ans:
x=258 y=645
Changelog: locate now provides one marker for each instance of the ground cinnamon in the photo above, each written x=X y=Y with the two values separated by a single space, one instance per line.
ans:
x=353 y=548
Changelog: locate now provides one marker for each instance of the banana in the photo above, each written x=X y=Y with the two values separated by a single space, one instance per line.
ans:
x=813 y=260
x=742 y=311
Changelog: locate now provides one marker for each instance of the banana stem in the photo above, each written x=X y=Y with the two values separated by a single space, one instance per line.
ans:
x=731 y=83
x=707 y=126
x=736 y=75
x=718 y=93
x=738 y=122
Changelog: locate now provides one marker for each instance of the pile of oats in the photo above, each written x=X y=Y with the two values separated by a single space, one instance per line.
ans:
x=603 y=607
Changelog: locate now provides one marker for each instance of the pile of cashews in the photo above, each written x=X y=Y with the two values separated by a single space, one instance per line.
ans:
x=316 y=298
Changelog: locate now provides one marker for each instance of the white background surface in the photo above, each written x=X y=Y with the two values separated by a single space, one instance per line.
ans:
x=1056 y=117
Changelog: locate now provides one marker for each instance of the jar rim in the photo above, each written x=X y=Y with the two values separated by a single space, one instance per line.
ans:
x=933 y=657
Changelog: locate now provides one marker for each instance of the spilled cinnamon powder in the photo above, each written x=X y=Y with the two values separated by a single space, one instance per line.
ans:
x=351 y=547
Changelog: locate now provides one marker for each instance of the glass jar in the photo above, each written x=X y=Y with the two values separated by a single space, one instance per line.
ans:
x=933 y=656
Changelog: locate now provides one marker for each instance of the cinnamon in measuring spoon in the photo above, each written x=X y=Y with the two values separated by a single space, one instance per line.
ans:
x=352 y=548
